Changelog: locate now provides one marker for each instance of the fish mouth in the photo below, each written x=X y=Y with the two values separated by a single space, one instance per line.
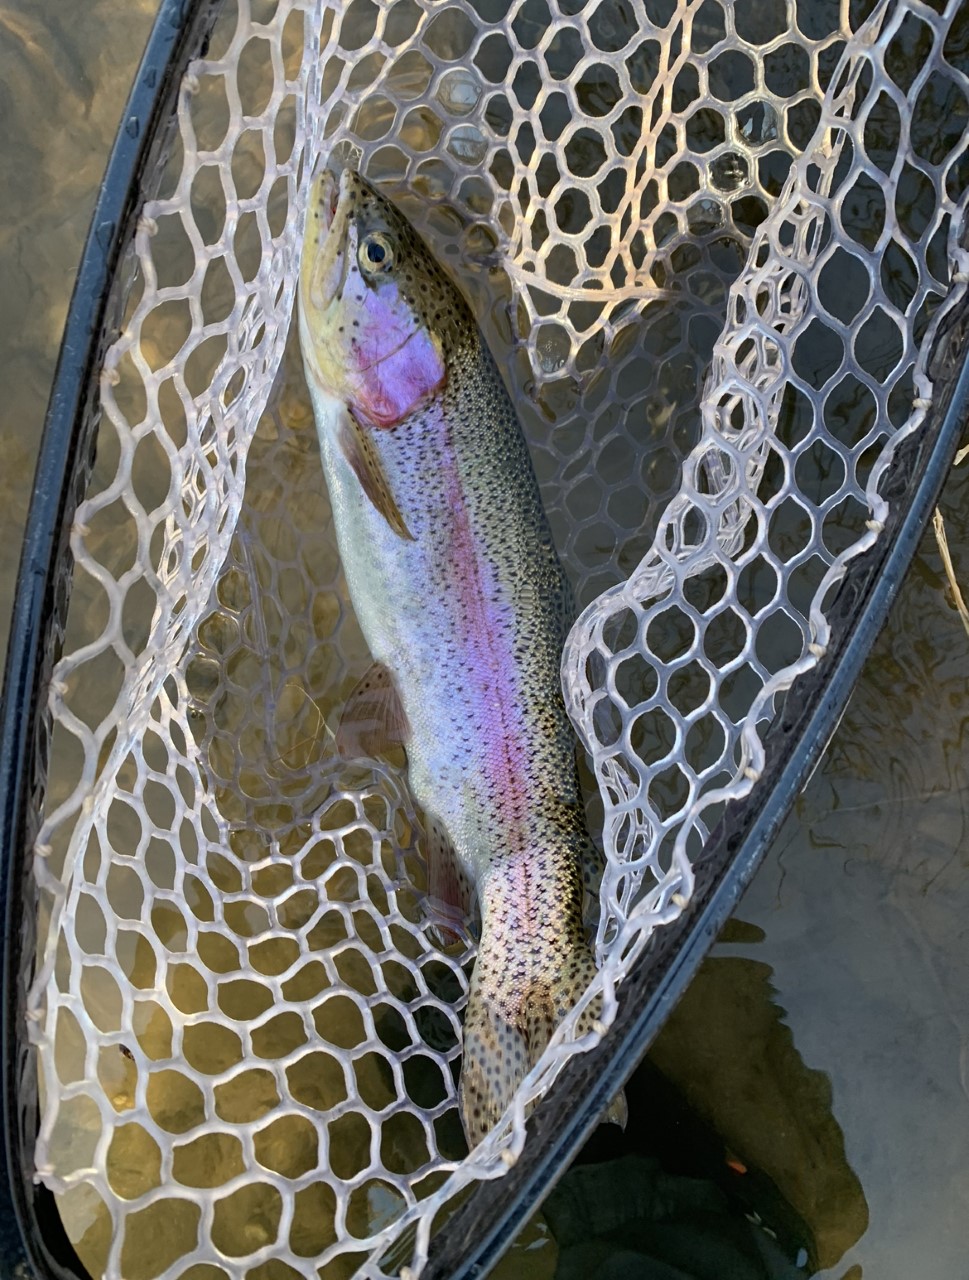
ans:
x=331 y=204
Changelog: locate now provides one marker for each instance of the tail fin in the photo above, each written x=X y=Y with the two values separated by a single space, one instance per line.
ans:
x=506 y=1030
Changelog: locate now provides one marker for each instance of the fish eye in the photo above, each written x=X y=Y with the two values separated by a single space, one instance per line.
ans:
x=376 y=252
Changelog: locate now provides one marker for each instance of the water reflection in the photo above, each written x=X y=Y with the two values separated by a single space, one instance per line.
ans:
x=733 y=1163
x=864 y=904
x=62 y=86
x=734 y=1057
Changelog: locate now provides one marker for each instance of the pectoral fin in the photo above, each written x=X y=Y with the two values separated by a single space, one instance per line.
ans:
x=361 y=453
x=374 y=723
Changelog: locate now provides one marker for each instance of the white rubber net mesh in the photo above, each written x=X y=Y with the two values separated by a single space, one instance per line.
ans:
x=247 y=1036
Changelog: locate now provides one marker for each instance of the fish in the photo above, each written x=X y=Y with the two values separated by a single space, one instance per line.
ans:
x=453 y=574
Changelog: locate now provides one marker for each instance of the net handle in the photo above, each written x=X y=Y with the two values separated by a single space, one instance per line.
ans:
x=474 y=1239
x=180 y=33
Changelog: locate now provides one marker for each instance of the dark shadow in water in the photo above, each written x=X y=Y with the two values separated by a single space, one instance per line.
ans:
x=732 y=1165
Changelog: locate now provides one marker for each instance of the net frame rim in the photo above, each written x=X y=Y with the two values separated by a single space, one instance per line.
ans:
x=179 y=33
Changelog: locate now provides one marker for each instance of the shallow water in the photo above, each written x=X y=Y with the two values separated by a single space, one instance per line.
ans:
x=826 y=1041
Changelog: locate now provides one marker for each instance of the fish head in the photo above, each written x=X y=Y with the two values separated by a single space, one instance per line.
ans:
x=378 y=318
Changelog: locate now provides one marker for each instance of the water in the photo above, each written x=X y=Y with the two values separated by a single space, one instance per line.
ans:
x=65 y=76
x=825 y=1040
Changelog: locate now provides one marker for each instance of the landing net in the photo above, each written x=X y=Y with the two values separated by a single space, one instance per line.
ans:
x=714 y=244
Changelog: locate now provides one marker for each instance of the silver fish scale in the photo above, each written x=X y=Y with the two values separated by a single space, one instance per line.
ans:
x=246 y=1038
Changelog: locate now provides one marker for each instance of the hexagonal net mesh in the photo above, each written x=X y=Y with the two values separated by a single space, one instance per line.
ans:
x=715 y=243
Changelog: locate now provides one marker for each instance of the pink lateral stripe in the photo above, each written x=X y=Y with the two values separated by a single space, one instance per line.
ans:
x=506 y=759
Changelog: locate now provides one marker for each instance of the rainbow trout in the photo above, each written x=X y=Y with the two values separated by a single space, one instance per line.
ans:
x=462 y=599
